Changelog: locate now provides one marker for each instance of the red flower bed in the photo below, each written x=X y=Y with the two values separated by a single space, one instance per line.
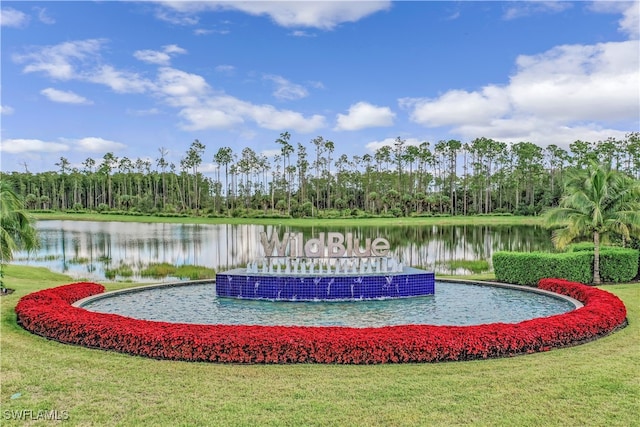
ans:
x=49 y=313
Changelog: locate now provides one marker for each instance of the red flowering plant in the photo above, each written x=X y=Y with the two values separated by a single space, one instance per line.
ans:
x=49 y=313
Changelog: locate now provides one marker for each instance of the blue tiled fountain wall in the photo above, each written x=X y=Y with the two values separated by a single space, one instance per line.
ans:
x=240 y=284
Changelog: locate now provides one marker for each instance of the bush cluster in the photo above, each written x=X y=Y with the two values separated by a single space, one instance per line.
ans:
x=617 y=267
x=527 y=268
x=49 y=313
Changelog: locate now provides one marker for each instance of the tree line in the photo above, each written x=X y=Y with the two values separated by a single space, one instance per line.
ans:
x=483 y=176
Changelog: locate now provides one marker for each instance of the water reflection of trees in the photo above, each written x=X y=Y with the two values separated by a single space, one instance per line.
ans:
x=432 y=245
x=225 y=246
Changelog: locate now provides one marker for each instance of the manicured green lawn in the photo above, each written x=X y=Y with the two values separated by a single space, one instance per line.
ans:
x=305 y=222
x=594 y=384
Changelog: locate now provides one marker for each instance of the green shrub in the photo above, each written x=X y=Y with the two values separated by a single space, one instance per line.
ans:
x=121 y=212
x=615 y=268
x=195 y=272
x=497 y=212
x=527 y=268
x=123 y=270
x=158 y=270
x=618 y=264
x=580 y=247
x=588 y=246
x=330 y=214
x=421 y=214
x=164 y=269
x=475 y=266
x=171 y=215
x=396 y=212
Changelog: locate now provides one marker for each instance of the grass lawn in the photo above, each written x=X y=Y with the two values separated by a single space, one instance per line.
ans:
x=304 y=222
x=595 y=384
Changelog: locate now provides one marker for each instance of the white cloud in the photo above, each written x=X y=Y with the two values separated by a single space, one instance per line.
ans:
x=181 y=88
x=200 y=118
x=629 y=22
x=159 y=57
x=176 y=18
x=226 y=69
x=521 y=9
x=118 y=81
x=317 y=14
x=199 y=105
x=15 y=146
x=203 y=108
x=364 y=115
x=223 y=111
x=64 y=97
x=43 y=17
x=453 y=16
x=208 y=167
x=149 y=112
x=173 y=49
x=286 y=90
x=152 y=56
x=316 y=84
x=271 y=152
x=96 y=145
x=577 y=83
x=375 y=145
x=541 y=132
x=202 y=32
x=80 y=60
x=5 y=109
x=62 y=60
x=458 y=106
x=268 y=117
x=550 y=96
x=300 y=33
x=10 y=17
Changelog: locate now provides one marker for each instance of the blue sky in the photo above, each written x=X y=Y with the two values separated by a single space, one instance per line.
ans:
x=80 y=79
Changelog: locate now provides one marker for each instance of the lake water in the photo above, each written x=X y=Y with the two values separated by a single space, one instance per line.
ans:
x=84 y=249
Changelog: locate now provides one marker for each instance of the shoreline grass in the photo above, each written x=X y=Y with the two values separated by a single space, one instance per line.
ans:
x=303 y=222
x=596 y=384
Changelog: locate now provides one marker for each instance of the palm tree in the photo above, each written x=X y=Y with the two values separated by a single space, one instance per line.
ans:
x=598 y=201
x=16 y=227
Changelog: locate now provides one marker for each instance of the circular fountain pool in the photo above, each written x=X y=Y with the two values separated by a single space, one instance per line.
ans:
x=453 y=304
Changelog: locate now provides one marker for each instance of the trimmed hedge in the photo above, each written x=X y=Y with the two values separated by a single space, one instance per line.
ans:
x=527 y=268
x=619 y=265
x=614 y=267
x=588 y=247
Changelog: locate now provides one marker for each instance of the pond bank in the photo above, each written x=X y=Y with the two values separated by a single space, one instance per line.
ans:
x=302 y=222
